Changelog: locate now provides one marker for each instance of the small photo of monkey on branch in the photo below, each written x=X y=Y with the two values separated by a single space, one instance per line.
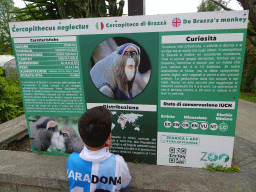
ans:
x=120 y=68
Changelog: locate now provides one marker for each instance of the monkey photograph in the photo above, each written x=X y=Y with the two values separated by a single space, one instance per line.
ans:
x=120 y=68
x=55 y=134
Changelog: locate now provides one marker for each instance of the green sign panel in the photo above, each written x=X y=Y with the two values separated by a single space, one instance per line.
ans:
x=200 y=81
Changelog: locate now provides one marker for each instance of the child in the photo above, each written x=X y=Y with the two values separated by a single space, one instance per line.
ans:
x=95 y=168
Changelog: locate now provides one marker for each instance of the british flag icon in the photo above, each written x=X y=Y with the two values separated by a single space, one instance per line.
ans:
x=176 y=22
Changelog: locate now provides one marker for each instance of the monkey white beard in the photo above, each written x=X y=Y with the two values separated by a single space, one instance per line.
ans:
x=130 y=72
x=57 y=143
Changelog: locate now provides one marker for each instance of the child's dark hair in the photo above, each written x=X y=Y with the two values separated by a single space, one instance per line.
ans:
x=95 y=126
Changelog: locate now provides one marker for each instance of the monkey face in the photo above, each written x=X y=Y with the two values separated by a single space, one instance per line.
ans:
x=65 y=132
x=130 y=69
x=52 y=126
x=71 y=140
x=130 y=51
x=126 y=67
x=131 y=64
x=65 y=135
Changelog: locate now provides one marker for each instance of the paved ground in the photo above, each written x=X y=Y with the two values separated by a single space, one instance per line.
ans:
x=246 y=121
x=146 y=178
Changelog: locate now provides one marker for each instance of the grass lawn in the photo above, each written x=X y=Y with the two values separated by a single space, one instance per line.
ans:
x=248 y=96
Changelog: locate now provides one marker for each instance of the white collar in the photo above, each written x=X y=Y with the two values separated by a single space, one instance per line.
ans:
x=99 y=155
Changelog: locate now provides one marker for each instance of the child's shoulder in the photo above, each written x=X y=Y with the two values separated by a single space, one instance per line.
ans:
x=118 y=157
x=74 y=156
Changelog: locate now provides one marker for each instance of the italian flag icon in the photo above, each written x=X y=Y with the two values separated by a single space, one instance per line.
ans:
x=99 y=26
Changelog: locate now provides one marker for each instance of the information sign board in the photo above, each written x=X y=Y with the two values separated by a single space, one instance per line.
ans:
x=171 y=82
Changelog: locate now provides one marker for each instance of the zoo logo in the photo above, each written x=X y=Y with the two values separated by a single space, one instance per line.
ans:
x=214 y=157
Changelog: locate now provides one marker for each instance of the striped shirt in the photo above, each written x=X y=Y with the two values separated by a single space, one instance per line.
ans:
x=92 y=171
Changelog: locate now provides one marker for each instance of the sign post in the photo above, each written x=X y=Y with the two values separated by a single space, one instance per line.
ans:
x=136 y=7
x=174 y=101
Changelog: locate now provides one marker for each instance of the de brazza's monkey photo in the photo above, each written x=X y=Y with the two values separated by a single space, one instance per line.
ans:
x=115 y=74
x=46 y=136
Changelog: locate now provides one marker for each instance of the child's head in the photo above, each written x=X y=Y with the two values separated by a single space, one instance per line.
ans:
x=95 y=126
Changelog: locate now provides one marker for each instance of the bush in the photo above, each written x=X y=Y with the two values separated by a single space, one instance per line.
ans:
x=212 y=167
x=11 y=105
x=249 y=71
x=2 y=72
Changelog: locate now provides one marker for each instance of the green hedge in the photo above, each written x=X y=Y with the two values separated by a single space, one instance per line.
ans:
x=11 y=105
x=249 y=71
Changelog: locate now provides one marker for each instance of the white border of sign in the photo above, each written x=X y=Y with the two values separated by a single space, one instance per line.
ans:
x=133 y=24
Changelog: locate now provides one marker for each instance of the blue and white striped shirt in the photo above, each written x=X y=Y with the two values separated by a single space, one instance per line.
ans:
x=100 y=170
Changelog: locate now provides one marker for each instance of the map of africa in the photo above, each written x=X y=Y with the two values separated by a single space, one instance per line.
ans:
x=123 y=119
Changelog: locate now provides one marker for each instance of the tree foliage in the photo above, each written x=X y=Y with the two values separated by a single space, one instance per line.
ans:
x=249 y=71
x=5 y=17
x=5 y=44
x=65 y=9
x=207 y=5
x=11 y=105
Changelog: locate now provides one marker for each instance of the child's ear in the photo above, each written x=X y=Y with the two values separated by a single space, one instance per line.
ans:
x=109 y=137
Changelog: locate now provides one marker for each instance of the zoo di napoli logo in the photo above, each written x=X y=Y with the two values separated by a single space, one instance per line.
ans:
x=99 y=26
x=213 y=157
